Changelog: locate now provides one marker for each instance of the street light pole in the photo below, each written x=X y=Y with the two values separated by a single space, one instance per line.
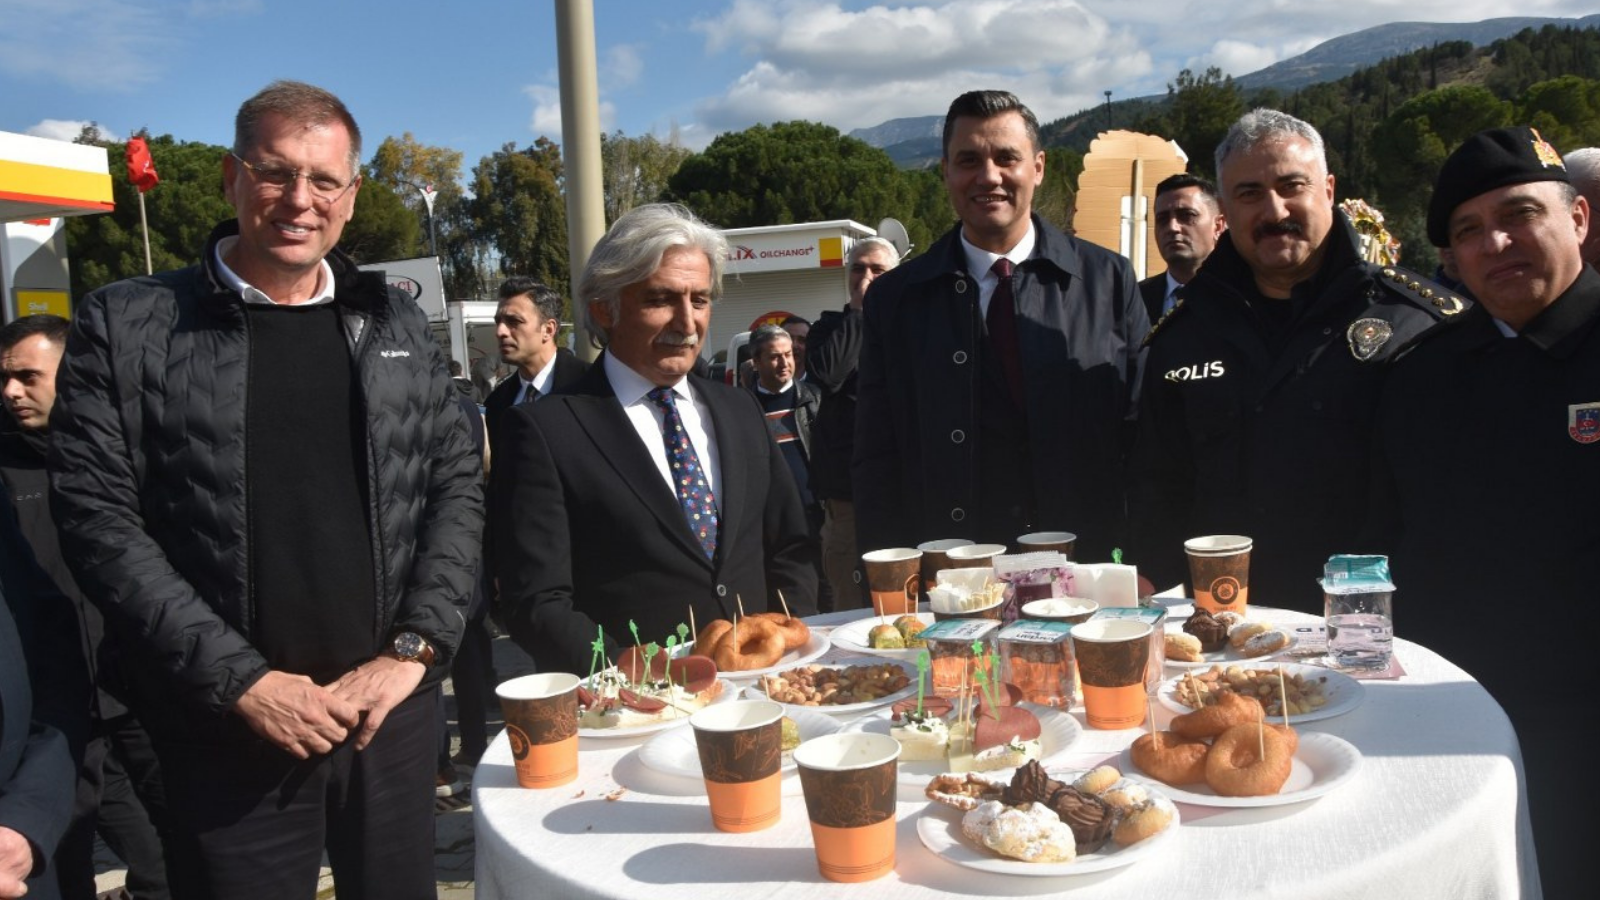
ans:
x=428 y=194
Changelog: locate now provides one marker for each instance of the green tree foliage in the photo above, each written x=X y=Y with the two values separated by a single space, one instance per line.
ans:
x=181 y=210
x=518 y=206
x=788 y=172
x=1409 y=147
x=1197 y=115
x=381 y=227
x=1566 y=111
x=637 y=169
x=408 y=166
x=1056 y=200
x=806 y=172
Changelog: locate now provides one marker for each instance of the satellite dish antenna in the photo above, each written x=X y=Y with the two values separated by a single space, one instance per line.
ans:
x=892 y=231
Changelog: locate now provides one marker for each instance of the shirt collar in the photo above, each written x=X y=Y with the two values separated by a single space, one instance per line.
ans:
x=541 y=378
x=787 y=386
x=250 y=294
x=631 y=387
x=1561 y=327
x=980 y=261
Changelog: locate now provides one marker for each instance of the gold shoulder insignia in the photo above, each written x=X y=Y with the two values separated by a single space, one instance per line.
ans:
x=1176 y=305
x=1422 y=292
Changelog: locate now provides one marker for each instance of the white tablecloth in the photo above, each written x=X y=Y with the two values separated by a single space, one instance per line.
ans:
x=1434 y=812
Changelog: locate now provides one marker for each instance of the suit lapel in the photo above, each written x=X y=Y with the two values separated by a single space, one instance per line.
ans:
x=733 y=475
x=600 y=415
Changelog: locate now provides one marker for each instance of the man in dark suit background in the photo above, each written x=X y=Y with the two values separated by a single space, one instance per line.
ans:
x=1188 y=222
x=594 y=490
x=44 y=718
x=525 y=326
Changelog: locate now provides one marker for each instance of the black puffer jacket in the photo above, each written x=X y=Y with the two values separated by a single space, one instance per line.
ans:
x=148 y=472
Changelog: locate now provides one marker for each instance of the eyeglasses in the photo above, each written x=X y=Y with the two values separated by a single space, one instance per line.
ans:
x=275 y=180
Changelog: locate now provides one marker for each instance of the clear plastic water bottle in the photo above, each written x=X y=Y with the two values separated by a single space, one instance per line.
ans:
x=1358 y=603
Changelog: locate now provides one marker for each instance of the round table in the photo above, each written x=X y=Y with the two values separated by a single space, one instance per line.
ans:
x=1435 y=811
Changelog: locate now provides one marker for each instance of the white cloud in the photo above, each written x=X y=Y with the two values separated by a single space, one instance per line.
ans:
x=853 y=68
x=621 y=67
x=546 y=118
x=85 y=44
x=67 y=129
x=855 y=63
x=1236 y=58
x=207 y=9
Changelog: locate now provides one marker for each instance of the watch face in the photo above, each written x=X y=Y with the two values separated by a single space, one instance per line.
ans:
x=408 y=645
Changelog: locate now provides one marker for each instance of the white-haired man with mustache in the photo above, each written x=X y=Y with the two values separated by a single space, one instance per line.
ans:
x=1259 y=388
x=641 y=493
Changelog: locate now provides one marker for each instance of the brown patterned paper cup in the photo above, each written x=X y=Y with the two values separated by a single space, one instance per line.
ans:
x=741 y=751
x=1113 y=655
x=894 y=580
x=541 y=713
x=1219 y=566
x=1041 y=541
x=849 y=782
x=934 y=558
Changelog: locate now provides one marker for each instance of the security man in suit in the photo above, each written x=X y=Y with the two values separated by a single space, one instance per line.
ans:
x=1188 y=223
x=1259 y=387
x=643 y=493
x=525 y=326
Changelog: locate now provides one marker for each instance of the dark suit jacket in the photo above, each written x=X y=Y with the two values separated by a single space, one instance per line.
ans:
x=569 y=368
x=587 y=533
x=923 y=469
x=44 y=702
x=1153 y=291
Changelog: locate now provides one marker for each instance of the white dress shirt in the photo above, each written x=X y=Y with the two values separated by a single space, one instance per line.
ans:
x=647 y=418
x=980 y=264
x=541 y=380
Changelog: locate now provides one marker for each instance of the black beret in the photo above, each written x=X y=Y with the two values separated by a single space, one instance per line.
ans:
x=1488 y=160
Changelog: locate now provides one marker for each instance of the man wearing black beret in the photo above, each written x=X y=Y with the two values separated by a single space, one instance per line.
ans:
x=1490 y=444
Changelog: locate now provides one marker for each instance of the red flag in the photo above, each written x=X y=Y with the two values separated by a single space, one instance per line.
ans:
x=141 y=169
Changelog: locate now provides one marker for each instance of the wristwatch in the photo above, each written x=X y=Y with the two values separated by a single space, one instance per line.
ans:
x=408 y=645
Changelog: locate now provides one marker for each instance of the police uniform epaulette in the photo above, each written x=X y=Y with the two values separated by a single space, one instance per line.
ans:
x=1437 y=301
x=1177 y=304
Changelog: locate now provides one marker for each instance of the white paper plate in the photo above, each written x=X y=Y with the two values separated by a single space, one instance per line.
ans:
x=939 y=827
x=1343 y=692
x=1178 y=608
x=818 y=645
x=1322 y=763
x=758 y=691
x=1228 y=656
x=1057 y=732
x=852 y=636
x=673 y=752
x=729 y=692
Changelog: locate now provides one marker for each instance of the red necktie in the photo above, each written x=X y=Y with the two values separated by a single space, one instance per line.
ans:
x=1002 y=324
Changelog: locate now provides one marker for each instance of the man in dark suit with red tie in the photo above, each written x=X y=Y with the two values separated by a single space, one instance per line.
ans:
x=641 y=492
x=997 y=370
x=525 y=326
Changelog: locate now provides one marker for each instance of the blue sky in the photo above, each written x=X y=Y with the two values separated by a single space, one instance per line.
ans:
x=473 y=75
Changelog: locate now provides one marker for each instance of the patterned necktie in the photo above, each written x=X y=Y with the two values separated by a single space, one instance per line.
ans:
x=694 y=494
x=1001 y=322
x=530 y=393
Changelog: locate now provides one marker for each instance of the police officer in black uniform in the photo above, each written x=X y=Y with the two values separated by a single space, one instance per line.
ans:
x=1260 y=387
x=1490 y=457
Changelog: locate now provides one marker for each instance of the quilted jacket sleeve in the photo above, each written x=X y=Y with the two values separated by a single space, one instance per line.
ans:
x=95 y=471
x=449 y=544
